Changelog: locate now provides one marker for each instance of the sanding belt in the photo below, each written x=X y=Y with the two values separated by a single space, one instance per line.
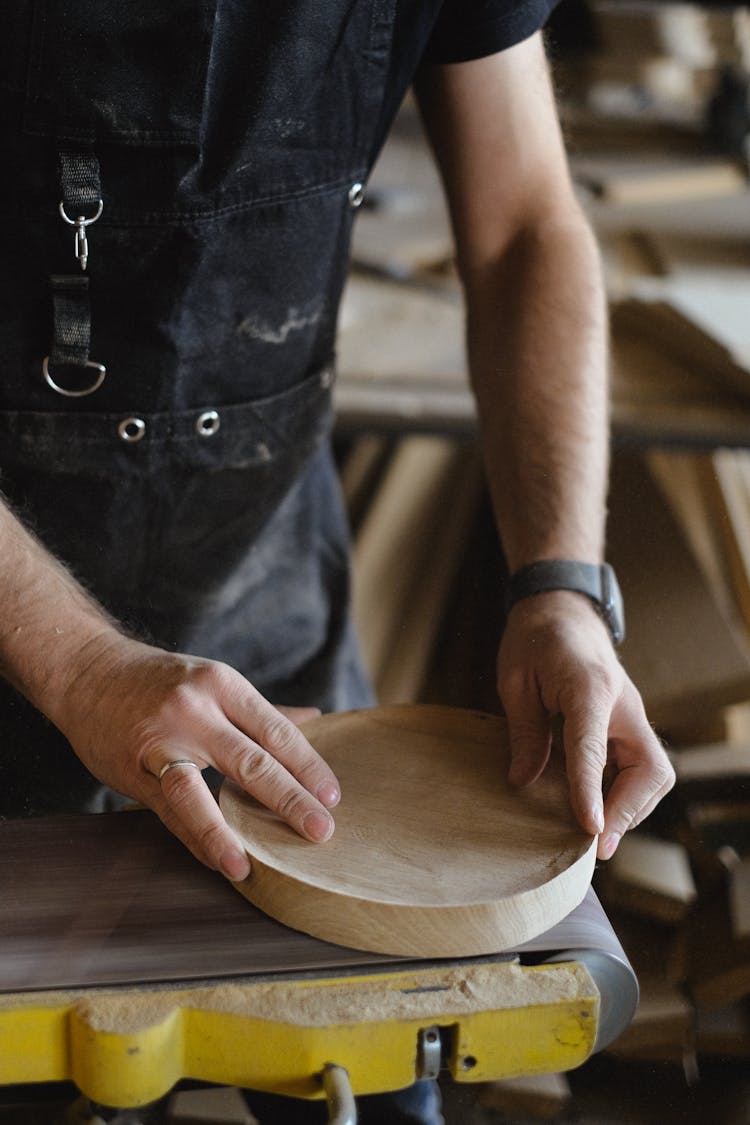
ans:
x=115 y=899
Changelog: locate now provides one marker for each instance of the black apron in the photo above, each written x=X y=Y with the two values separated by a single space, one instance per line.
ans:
x=193 y=491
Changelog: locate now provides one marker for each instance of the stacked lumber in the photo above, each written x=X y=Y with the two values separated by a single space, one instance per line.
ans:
x=661 y=60
x=680 y=902
x=677 y=891
x=684 y=647
x=409 y=547
x=710 y=494
x=428 y=577
x=660 y=179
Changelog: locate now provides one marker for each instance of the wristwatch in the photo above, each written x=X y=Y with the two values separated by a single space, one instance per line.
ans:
x=597 y=582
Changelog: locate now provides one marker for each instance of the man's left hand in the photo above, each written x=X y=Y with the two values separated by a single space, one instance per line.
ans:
x=556 y=659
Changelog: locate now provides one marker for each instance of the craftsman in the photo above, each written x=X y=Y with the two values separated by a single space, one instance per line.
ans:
x=166 y=409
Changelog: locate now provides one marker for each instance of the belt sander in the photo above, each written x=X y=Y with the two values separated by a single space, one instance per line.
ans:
x=126 y=967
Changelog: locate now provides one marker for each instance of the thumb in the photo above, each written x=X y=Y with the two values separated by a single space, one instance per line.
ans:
x=530 y=740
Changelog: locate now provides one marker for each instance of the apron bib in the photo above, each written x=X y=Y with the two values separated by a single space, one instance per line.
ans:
x=193 y=490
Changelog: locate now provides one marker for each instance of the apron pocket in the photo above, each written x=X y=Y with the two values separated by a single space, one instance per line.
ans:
x=114 y=496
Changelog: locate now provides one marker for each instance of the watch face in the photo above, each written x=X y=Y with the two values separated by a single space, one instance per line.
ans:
x=612 y=607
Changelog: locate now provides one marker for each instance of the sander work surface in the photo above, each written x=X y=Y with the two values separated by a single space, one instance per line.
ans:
x=114 y=898
x=434 y=854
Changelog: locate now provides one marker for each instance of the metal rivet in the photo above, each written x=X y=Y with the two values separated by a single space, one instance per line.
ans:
x=356 y=194
x=131 y=429
x=208 y=423
x=263 y=451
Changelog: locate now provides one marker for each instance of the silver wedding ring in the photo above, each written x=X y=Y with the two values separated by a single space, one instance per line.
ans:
x=173 y=765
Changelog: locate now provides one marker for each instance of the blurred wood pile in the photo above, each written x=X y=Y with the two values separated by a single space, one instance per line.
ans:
x=673 y=221
x=658 y=60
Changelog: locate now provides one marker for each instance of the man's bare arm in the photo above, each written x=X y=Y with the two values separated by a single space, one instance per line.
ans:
x=128 y=709
x=537 y=349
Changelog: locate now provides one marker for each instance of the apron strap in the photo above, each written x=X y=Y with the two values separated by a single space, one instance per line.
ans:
x=81 y=195
x=72 y=320
x=80 y=206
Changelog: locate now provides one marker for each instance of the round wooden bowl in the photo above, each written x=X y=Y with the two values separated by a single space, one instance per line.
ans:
x=434 y=854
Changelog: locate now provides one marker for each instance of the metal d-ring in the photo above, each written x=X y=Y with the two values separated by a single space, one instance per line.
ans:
x=342 y=1109
x=75 y=394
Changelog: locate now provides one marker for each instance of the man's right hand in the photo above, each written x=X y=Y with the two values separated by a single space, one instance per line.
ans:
x=131 y=709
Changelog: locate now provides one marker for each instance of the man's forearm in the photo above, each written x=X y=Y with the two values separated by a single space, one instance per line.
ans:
x=537 y=340
x=537 y=345
x=47 y=621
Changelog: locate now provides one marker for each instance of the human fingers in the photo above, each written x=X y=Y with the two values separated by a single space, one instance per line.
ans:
x=644 y=774
x=585 y=734
x=218 y=718
x=276 y=754
x=187 y=807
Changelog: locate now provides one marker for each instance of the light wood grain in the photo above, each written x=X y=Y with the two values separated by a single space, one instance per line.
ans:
x=650 y=876
x=731 y=497
x=396 y=544
x=685 y=653
x=434 y=855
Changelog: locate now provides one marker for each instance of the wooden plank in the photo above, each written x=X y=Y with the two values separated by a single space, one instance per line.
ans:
x=360 y=471
x=713 y=762
x=662 y=1027
x=660 y=331
x=739 y=899
x=394 y=543
x=411 y=332
x=654 y=182
x=686 y=481
x=650 y=876
x=404 y=671
x=717 y=963
x=682 y=650
x=715 y=298
x=732 y=504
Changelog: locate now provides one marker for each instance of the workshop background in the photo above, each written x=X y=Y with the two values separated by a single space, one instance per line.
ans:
x=654 y=99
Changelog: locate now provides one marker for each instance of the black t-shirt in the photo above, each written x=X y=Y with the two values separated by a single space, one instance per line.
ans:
x=467 y=30
x=453 y=31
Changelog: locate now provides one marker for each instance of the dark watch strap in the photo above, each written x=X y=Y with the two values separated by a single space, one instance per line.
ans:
x=597 y=582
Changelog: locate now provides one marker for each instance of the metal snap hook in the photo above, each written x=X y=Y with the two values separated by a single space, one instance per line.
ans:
x=80 y=223
x=75 y=394
x=131 y=429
